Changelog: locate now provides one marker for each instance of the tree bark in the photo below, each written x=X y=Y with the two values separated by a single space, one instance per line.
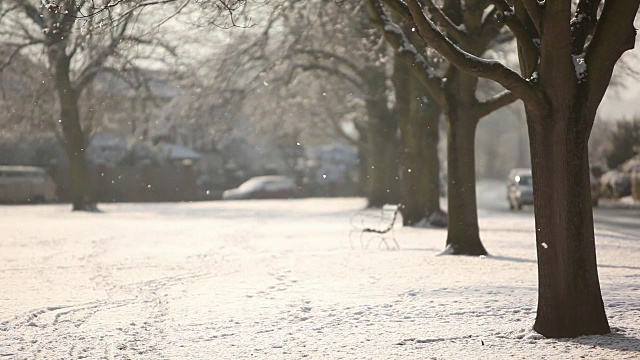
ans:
x=569 y=299
x=382 y=167
x=564 y=81
x=428 y=113
x=463 y=236
x=418 y=119
x=75 y=140
x=75 y=146
x=382 y=154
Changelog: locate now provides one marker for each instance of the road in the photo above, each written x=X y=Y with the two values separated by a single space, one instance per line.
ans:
x=492 y=196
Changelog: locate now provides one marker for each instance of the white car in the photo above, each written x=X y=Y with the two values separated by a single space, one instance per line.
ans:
x=520 y=189
x=26 y=184
x=263 y=187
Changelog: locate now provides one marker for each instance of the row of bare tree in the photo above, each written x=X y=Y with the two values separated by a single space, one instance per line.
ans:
x=381 y=73
x=567 y=52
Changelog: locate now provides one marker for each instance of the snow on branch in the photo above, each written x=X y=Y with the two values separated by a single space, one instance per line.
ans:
x=583 y=24
x=458 y=33
x=406 y=51
x=530 y=50
x=489 y=69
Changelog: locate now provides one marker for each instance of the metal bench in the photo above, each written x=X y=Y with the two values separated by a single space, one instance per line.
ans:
x=372 y=226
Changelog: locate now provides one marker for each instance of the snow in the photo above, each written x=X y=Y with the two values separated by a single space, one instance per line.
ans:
x=277 y=279
x=580 y=66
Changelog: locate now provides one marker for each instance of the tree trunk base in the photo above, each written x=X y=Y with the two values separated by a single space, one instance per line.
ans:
x=439 y=219
x=477 y=250
x=436 y=219
x=572 y=330
x=86 y=207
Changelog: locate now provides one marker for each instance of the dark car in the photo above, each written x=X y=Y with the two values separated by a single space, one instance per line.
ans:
x=263 y=187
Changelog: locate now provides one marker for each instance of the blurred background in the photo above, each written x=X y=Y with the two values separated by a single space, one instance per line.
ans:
x=185 y=104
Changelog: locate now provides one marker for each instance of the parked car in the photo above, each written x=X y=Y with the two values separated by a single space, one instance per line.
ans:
x=263 y=187
x=519 y=188
x=26 y=184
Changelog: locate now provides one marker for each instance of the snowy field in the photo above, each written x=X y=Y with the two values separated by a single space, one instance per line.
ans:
x=279 y=280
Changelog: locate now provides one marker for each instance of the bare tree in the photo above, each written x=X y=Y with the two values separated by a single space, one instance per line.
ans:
x=81 y=39
x=76 y=51
x=567 y=55
x=26 y=102
x=418 y=122
x=326 y=40
x=456 y=94
x=342 y=46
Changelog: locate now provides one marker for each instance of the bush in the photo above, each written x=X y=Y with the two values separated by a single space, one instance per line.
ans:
x=624 y=140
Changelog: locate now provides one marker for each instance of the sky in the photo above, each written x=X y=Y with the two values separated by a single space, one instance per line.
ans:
x=621 y=103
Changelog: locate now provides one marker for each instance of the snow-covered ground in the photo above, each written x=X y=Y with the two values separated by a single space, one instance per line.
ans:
x=279 y=280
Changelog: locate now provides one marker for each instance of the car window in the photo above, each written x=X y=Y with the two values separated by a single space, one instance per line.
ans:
x=251 y=185
x=524 y=180
x=278 y=185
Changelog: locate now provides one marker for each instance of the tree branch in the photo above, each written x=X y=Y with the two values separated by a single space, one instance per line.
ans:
x=451 y=29
x=33 y=14
x=331 y=71
x=555 y=52
x=317 y=54
x=492 y=70
x=529 y=49
x=98 y=60
x=16 y=52
x=583 y=24
x=614 y=34
x=406 y=51
x=534 y=9
x=7 y=11
x=492 y=23
x=484 y=108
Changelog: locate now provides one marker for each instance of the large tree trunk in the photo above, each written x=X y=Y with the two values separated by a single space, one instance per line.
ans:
x=382 y=154
x=463 y=236
x=431 y=181
x=75 y=141
x=75 y=146
x=382 y=167
x=418 y=120
x=569 y=299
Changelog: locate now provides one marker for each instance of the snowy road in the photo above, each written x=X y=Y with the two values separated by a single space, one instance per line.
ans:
x=279 y=280
x=621 y=218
